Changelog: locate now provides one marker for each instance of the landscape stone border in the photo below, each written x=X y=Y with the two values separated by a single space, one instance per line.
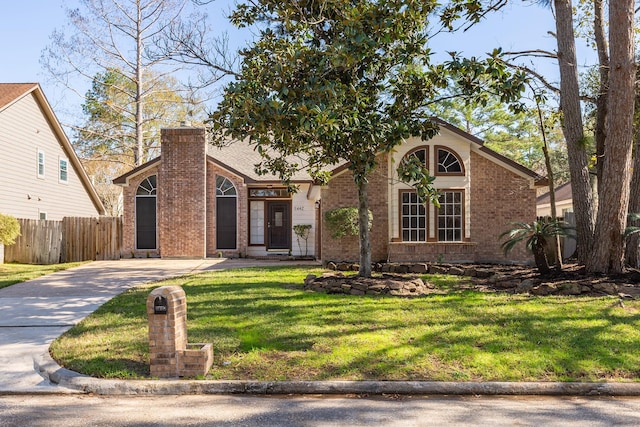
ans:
x=483 y=277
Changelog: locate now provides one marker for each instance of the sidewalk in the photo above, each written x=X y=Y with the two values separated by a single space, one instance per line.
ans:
x=35 y=312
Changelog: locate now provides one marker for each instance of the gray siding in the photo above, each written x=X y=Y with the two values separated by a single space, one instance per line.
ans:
x=23 y=130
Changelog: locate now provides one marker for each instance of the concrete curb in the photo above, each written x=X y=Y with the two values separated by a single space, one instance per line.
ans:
x=50 y=370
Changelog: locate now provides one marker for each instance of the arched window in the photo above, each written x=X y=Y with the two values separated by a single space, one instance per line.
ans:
x=146 y=214
x=147 y=187
x=224 y=187
x=413 y=213
x=421 y=153
x=448 y=162
x=226 y=210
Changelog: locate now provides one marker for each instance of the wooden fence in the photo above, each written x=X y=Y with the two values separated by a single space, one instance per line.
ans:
x=72 y=239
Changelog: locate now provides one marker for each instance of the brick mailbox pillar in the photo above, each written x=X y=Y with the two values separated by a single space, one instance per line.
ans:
x=169 y=354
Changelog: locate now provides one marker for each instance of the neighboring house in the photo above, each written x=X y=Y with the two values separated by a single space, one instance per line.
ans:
x=40 y=174
x=196 y=200
x=564 y=201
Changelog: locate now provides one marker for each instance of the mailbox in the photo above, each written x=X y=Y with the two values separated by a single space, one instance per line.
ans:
x=160 y=305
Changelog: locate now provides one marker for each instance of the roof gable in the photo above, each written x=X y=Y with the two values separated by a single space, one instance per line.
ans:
x=10 y=93
x=476 y=145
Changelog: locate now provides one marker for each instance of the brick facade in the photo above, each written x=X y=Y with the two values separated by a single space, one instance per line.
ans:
x=129 y=214
x=182 y=185
x=186 y=200
x=496 y=194
x=498 y=197
x=341 y=192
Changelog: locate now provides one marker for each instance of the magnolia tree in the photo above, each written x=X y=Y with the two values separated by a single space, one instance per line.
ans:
x=336 y=81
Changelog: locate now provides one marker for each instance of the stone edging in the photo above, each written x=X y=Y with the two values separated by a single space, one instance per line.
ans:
x=486 y=276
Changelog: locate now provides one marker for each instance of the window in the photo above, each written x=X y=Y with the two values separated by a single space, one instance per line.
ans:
x=450 y=216
x=224 y=187
x=256 y=222
x=449 y=163
x=414 y=217
x=420 y=153
x=146 y=214
x=42 y=215
x=269 y=192
x=147 y=187
x=226 y=213
x=40 y=164
x=63 y=175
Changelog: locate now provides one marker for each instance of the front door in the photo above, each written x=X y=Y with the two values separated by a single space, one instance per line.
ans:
x=279 y=225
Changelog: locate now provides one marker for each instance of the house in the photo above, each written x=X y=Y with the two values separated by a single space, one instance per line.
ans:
x=563 y=198
x=40 y=174
x=197 y=200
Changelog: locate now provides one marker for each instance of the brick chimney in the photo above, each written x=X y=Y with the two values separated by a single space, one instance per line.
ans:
x=182 y=193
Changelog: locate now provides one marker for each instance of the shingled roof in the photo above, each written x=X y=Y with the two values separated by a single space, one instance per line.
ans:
x=11 y=92
x=240 y=157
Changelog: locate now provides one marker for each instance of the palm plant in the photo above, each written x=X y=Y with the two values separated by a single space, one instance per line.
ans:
x=537 y=237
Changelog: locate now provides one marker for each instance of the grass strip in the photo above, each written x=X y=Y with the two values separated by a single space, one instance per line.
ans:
x=10 y=274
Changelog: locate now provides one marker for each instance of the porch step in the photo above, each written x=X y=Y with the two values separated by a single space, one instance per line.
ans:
x=274 y=257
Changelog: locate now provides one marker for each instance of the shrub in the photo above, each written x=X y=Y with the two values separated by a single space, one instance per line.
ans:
x=9 y=229
x=536 y=237
x=344 y=222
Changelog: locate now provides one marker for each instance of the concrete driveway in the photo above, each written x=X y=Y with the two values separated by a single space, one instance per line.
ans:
x=34 y=313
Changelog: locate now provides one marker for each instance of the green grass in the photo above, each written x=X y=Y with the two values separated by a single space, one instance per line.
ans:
x=10 y=274
x=263 y=326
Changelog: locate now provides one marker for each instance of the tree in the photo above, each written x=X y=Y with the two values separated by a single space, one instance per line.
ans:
x=573 y=128
x=611 y=221
x=333 y=82
x=106 y=141
x=600 y=214
x=123 y=35
x=110 y=130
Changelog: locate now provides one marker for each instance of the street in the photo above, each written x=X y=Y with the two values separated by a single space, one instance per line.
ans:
x=234 y=410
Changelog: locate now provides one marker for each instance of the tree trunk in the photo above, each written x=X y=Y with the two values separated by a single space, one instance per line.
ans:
x=139 y=153
x=608 y=255
x=632 y=254
x=363 y=228
x=552 y=187
x=573 y=129
x=540 y=258
x=602 y=48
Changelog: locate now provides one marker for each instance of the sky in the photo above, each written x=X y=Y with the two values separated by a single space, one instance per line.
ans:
x=26 y=25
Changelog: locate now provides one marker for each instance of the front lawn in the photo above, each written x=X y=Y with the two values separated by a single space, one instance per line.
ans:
x=263 y=326
x=10 y=274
